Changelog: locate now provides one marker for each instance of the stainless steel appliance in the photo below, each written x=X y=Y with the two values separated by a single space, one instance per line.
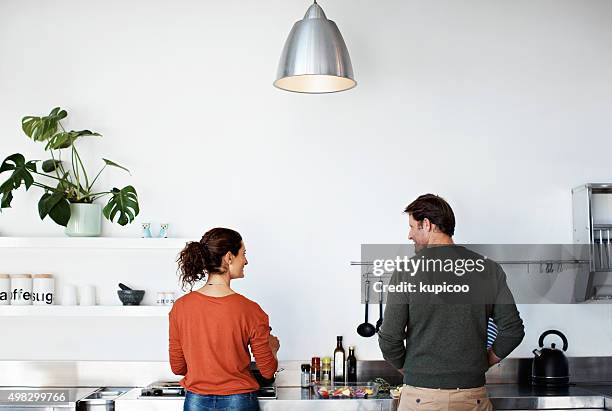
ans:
x=103 y=399
x=591 y=212
x=172 y=389
x=163 y=389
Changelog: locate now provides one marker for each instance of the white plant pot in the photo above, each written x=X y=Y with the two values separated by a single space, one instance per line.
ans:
x=85 y=220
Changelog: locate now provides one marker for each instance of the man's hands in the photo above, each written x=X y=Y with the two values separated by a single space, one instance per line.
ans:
x=274 y=343
x=493 y=359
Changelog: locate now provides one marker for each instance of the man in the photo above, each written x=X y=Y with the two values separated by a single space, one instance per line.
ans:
x=445 y=357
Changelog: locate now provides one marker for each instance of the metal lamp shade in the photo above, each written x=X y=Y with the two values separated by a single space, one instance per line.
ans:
x=315 y=58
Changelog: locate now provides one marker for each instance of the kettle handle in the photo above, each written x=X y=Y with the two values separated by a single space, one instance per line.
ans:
x=555 y=332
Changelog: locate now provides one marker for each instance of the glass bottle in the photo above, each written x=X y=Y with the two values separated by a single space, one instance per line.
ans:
x=315 y=370
x=326 y=371
x=351 y=366
x=339 y=362
x=305 y=375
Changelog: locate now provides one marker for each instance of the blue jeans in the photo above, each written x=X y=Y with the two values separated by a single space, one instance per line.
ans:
x=235 y=402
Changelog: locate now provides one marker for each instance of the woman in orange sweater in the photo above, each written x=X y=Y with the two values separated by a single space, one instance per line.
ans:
x=212 y=328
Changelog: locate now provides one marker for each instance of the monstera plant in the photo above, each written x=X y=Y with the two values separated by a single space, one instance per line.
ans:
x=62 y=176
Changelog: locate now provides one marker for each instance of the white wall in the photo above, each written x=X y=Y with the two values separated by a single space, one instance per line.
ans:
x=500 y=106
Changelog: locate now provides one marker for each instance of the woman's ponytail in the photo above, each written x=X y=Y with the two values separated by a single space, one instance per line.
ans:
x=191 y=264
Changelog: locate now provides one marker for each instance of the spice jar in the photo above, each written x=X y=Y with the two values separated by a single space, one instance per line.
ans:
x=305 y=375
x=326 y=371
x=315 y=370
x=21 y=289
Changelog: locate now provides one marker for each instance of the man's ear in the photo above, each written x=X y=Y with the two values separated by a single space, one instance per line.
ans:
x=427 y=226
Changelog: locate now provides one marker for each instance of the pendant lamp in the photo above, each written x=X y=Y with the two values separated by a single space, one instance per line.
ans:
x=315 y=58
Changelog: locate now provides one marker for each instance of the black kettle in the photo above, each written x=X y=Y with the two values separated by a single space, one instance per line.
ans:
x=550 y=367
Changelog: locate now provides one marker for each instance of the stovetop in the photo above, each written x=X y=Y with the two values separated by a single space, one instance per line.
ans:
x=172 y=389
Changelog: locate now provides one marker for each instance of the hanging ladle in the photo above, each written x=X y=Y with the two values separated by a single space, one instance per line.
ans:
x=366 y=329
x=380 y=308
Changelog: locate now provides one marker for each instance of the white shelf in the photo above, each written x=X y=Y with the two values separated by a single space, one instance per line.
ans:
x=94 y=242
x=84 y=311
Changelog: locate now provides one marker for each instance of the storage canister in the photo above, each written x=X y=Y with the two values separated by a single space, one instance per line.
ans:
x=21 y=289
x=5 y=289
x=169 y=298
x=43 y=289
x=87 y=295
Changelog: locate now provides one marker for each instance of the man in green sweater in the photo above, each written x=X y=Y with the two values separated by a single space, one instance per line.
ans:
x=444 y=358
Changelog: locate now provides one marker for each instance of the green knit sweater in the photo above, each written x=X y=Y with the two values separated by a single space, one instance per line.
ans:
x=445 y=344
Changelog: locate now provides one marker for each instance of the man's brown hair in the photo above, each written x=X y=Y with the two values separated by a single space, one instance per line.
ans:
x=436 y=210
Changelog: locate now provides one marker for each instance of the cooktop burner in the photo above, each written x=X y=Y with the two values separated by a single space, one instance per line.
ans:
x=171 y=389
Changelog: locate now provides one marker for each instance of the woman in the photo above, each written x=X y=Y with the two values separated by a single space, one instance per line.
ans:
x=212 y=328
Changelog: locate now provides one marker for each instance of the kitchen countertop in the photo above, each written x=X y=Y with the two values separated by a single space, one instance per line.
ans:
x=516 y=397
x=288 y=398
x=605 y=389
x=503 y=397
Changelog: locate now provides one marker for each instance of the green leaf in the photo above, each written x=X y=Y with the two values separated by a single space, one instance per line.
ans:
x=113 y=164
x=43 y=210
x=56 y=206
x=7 y=197
x=18 y=161
x=49 y=166
x=60 y=212
x=65 y=139
x=47 y=202
x=124 y=202
x=42 y=128
x=21 y=174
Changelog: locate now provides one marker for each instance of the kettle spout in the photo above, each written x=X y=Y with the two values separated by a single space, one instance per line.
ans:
x=537 y=352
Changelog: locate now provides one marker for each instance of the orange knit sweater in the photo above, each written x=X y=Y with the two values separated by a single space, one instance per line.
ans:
x=210 y=339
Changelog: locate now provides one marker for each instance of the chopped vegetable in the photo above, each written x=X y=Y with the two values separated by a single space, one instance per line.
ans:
x=357 y=392
x=383 y=385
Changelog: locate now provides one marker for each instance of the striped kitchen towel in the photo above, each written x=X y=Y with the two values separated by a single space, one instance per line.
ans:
x=491 y=333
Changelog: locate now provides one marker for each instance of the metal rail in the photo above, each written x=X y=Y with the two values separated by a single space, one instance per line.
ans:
x=524 y=262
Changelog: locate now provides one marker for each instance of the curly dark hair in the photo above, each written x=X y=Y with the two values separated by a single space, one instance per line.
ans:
x=435 y=209
x=200 y=258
